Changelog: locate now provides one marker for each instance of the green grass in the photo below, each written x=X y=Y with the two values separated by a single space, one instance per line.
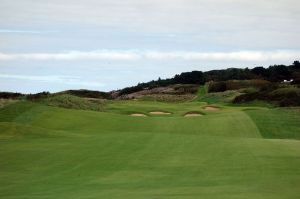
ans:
x=277 y=123
x=218 y=97
x=221 y=97
x=201 y=92
x=127 y=107
x=50 y=153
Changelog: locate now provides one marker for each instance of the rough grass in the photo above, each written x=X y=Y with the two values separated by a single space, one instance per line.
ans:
x=73 y=102
x=167 y=98
x=5 y=102
x=49 y=152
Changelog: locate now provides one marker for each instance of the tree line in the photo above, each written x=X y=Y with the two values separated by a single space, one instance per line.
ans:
x=274 y=73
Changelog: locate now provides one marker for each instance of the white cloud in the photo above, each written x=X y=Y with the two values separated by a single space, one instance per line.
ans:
x=153 y=14
x=227 y=56
x=19 y=31
x=247 y=56
x=67 y=80
x=26 y=31
x=72 y=55
x=232 y=24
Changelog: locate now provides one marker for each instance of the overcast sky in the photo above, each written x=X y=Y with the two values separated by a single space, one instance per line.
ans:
x=52 y=45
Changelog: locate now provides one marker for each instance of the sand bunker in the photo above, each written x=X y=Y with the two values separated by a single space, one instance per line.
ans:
x=138 y=115
x=159 y=113
x=193 y=115
x=211 y=108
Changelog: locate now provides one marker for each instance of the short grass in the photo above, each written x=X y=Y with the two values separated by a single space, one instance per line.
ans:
x=272 y=123
x=234 y=153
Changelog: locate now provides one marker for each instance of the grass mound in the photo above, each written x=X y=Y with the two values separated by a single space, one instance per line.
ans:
x=73 y=102
x=88 y=94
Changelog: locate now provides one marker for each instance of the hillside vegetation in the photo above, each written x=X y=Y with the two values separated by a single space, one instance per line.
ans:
x=276 y=73
x=88 y=94
x=73 y=102
x=281 y=95
x=250 y=83
x=172 y=93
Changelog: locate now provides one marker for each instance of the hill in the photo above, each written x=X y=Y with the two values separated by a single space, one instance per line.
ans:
x=276 y=73
x=88 y=94
x=251 y=83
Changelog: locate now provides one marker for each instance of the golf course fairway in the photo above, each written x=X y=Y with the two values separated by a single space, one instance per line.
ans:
x=229 y=153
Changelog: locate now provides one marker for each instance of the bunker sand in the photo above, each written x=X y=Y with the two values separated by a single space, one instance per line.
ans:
x=138 y=115
x=159 y=113
x=211 y=108
x=193 y=115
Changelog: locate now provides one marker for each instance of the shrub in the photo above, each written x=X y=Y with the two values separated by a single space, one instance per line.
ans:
x=289 y=96
x=9 y=95
x=216 y=87
x=88 y=94
x=38 y=96
x=236 y=85
x=186 y=89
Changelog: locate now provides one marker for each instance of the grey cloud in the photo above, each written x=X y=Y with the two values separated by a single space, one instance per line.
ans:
x=222 y=17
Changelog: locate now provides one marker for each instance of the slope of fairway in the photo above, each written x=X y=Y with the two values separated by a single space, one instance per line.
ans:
x=49 y=152
x=277 y=123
